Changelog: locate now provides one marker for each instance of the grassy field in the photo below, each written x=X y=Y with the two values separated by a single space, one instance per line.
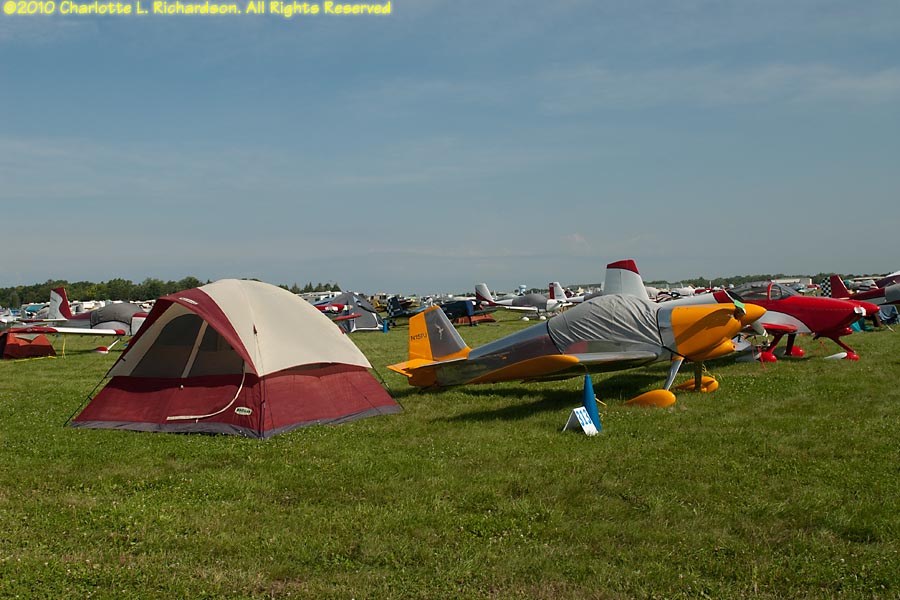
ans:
x=783 y=483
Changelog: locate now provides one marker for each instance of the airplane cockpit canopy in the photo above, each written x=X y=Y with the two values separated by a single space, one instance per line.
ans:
x=760 y=290
x=606 y=321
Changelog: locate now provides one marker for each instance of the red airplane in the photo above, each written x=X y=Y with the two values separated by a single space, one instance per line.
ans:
x=789 y=313
x=880 y=295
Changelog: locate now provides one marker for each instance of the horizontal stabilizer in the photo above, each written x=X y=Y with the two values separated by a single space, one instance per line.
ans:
x=420 y=364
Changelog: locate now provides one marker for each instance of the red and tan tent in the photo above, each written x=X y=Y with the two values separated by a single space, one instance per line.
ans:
x=239 y=357
x=15 y=345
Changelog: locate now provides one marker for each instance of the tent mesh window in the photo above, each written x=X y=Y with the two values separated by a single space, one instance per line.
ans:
x=175 y=346
x=216 y=356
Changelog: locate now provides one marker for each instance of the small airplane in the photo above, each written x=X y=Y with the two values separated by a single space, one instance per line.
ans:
x=557 y=292
x=789 y=313
x=397 y=310
x=879 y=295
x=119 y=320
x=537 y=304
x=120 y=316
x=466 y=312
x=607 y=333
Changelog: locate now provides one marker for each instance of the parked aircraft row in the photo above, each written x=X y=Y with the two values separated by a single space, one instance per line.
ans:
x=621 y=328
x=618 y=328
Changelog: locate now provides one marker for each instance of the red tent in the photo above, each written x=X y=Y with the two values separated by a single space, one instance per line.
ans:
x=239 y=357
x=24 y=345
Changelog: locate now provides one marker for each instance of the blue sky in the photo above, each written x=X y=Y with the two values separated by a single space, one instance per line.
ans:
x=453 y=142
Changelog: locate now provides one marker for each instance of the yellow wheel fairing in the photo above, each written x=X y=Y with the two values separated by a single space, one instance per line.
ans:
x=657 y=398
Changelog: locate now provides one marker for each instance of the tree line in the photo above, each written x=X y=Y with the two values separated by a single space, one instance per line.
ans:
x=122 y=289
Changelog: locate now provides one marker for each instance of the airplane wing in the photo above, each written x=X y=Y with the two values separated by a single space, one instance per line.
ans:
x=547 y=367
x=347 y=317
x=43 y=320
x=617 y=358
x=69 y=330
x=15 y=321
x=533 y=309
x=562 y=366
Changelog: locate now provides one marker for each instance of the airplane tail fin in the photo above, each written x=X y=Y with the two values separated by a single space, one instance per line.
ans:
x=394 y=307
x=59 y=304
x=838 y=289
x=483 y=294
x=432 y=338
x=622 y=277
x=556 y=291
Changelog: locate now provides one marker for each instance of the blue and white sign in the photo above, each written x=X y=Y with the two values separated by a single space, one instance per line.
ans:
x=580 y=419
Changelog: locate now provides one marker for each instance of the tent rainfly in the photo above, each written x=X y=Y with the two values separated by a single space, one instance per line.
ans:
x=238 y=357
x=15 y=345
x=368 y=319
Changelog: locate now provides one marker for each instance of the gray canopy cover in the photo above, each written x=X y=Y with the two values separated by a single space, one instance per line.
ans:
x=607 y=322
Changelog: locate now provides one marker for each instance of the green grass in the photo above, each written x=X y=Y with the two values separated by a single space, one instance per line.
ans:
x=783 y=483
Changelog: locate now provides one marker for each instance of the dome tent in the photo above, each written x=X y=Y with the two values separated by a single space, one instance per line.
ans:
x=368 y=318
x=240 y=357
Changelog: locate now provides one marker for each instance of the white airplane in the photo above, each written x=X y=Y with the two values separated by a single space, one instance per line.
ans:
x=557 y=292
x=536 y=304
x=117 y=320
x=120 y=316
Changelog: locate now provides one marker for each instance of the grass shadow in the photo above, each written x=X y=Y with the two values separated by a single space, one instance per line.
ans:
x=627 y=384
x=546 y=401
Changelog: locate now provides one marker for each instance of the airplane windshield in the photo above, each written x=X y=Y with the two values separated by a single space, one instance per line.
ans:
x=763 y=291
x=778 y=291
